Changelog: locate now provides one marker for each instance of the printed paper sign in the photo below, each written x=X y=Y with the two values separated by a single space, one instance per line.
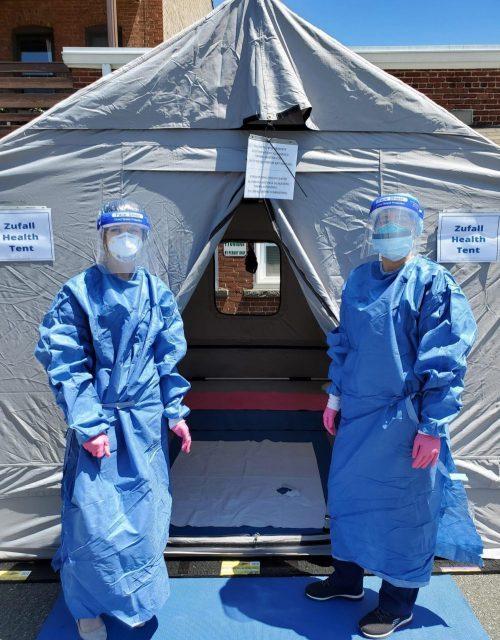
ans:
x=468 y=237
x=235 y=249
x=271 y=165
x=26 y=234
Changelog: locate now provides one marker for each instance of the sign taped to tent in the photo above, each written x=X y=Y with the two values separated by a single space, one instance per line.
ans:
x=26 y=234
x=468 y=237
x=270 y=169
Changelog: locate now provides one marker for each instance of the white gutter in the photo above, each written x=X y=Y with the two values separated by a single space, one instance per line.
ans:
x=418 y=57
x=433 y=57
x=96 y=57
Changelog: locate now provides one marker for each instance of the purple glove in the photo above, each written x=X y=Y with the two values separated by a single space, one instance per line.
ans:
x=98 y=446
x=182 y=430
x=425 y=451
x=329 y=416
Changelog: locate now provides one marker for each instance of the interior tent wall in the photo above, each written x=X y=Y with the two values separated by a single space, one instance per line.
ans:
x=288 y=343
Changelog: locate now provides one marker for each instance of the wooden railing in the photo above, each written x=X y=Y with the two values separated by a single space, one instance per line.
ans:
x=27 y=89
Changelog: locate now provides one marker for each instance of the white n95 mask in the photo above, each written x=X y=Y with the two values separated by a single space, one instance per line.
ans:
x=125 y=246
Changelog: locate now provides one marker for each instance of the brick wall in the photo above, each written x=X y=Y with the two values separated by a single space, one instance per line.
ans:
x=67 y=18
x=234 y=282
x=141 y=21
x=83 y=77
x=477 y=89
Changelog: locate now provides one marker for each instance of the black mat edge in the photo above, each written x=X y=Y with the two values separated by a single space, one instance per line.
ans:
x=207 y=567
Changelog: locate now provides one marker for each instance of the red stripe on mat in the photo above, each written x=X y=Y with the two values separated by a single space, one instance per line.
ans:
x=263 y=400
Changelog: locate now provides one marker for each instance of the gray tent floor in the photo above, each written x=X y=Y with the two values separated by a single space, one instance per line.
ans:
x=24 y=606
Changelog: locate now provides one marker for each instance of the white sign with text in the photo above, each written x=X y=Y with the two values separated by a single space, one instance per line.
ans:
x=235 y=249
x=468 y=237
x=26 y=234
x=271 y=166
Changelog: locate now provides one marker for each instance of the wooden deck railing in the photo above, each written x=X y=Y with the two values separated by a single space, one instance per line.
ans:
x=27 y=88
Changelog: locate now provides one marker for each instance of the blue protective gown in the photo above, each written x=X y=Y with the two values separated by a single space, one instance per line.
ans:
x=398 y=363
x=110 y=348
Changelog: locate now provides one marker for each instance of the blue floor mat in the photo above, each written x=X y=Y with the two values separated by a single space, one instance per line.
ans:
x=255 y=608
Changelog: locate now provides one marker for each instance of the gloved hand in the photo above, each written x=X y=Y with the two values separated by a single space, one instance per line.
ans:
x=425 y=451
x=330 y=413
x=98 y=446
x=329 y=416
x=182 y=430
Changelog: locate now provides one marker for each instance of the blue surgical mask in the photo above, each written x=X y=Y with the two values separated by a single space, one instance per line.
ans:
x=393 y=241
x=393 y=248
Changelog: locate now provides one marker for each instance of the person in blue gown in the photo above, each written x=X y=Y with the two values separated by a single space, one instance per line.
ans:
x=110 y=344
x=398 y=360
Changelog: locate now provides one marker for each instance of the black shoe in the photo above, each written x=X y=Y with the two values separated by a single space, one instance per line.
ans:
x=327 y=589
x=380 y=624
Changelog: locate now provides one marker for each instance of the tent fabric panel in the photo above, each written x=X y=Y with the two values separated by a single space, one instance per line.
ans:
x=483 y=475
x=190 y=218
x=30 y=526
x=36 y=143
x=223 y=159
x=325 y=228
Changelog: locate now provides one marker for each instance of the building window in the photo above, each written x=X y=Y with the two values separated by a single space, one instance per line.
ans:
x=247 y=278
x=33 y=44
x=268 y=265
x=97 y=36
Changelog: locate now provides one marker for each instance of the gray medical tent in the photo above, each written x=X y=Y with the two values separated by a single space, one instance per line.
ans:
x=170 y=130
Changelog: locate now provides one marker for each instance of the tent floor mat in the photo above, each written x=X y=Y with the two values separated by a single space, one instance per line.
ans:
x=276 y=609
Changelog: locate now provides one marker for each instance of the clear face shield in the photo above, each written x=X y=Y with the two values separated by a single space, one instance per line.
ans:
x=123 y=248
x=393 y=233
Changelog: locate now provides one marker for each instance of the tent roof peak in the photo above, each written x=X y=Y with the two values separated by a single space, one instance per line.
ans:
x=250 y=60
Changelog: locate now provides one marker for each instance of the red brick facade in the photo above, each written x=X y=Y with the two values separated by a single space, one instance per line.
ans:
x=141 y=21
x=83 y=77
x=236 y=293
x=477 y=89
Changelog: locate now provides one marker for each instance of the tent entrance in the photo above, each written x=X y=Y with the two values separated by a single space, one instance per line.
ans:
x=255 y=482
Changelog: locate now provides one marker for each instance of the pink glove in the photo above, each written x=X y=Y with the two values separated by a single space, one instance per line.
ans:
x=98 y=446
x=329 y=416
x=182 y=430
x=425 y=451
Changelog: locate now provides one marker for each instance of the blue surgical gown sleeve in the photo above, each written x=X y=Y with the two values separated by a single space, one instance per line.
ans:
x=338 y=347
x=447 y=331
x=66 y=352
x=169 y=349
